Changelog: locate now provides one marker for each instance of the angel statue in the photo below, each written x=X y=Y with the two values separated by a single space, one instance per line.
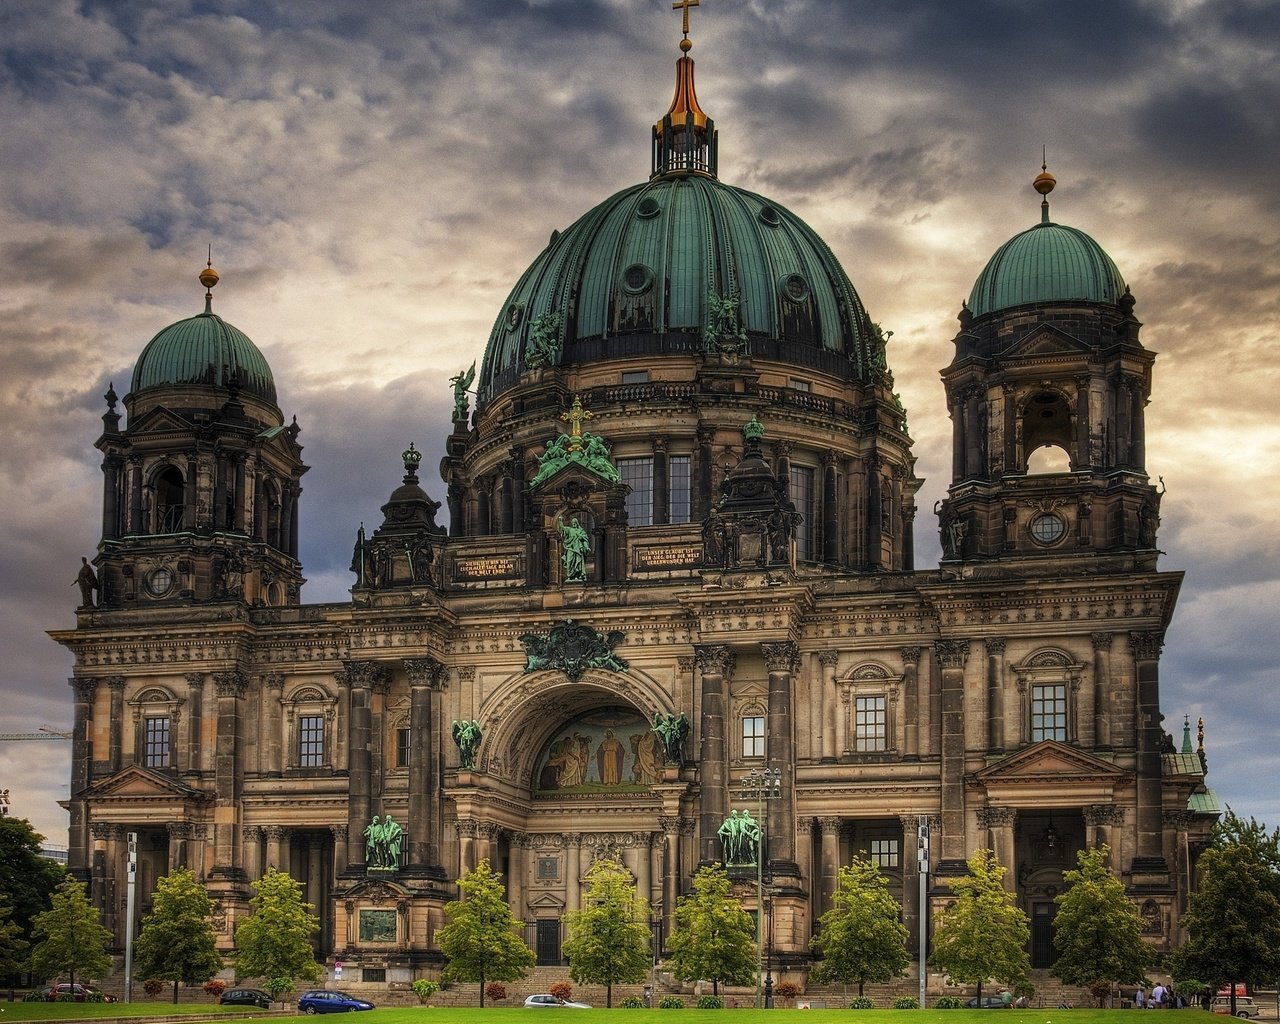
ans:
x=461 y=385
x=673 y=730
x=467 y=736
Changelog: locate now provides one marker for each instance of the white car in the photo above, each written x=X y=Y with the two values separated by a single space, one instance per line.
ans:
x=1245 y=1006
x=545 y=999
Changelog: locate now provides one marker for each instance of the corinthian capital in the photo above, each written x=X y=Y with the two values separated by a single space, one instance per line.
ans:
x=781 y=657
x=86 y=688
x=1146 y=645
x=424 y=672
x=951 y=653
x=714 y=660
x=230 y=684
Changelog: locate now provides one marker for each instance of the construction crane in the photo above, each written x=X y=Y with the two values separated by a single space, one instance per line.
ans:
x=45 y=733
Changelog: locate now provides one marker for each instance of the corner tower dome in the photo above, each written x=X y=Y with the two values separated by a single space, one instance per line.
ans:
x=637 y=275
x=204 y=351
x=1046 y=263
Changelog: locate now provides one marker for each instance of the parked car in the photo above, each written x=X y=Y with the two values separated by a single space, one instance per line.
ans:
x=319 y=1000
x=79 y=993
x=246 y=997
x=998 y=1000
x=545 y=999
x=1245 y=1006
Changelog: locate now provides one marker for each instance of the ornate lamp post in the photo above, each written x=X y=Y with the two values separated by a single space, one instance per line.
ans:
x=762 y=785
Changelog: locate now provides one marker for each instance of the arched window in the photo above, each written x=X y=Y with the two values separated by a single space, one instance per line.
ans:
x=1048 y=458
x=1047 y=423
x=156 y=714
x=170 y=500
x=1048 y=683
x=869 y=697
x=753 y=719
x=309 y=718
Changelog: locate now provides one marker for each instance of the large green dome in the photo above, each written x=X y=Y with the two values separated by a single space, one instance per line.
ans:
x=1046 y=263
x=633 y=278
x=207 y=351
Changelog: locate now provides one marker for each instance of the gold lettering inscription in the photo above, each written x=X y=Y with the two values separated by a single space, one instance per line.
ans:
x=667 y=556
x=487 y=568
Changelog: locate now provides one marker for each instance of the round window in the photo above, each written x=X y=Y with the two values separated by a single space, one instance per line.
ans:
x=637 y=278
x=795 y=288
x=648 y=207
x=770 y=216
x=514 y=312
x=1047 y=529
x=159 y=582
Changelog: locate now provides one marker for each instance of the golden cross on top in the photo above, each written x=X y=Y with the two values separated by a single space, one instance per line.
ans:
x=575 y=418
x=684 y=5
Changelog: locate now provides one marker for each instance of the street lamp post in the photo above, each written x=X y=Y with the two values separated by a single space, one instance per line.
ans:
x=762 y=785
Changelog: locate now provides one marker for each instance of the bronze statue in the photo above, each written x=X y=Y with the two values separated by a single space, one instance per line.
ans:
x=88 y=582
x=467 y=736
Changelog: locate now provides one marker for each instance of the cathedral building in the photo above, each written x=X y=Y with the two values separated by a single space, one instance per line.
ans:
x=674 y=579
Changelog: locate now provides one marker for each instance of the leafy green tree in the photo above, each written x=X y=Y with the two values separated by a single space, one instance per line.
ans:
x=1098 y=933
x=27 y=879
x=273 y=943
x=714 y=937
x=13 y=948
x=177 y=942
x=609 y=938
x=1233 y=919
x=983 y=935
x=862 y=937
x=68 y=937
x=482 y=939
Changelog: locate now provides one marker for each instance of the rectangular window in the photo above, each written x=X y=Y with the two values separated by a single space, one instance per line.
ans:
x=155 y=742
x=368 y=974
x=868 y=723
x=803 y=498
x=311 y=741
x=635 y=377
x=1048 y=712
x=799 y=385
x=884 y=853
x=638 y=475
x=753 y=736
x=402 y=748
x=678 y=475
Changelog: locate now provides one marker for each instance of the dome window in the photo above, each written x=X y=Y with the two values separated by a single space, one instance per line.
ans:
x=514 y=314
x=794 y=288
x=1047 y=529
x=770 y=216
x=637 y=279
x=648 y=207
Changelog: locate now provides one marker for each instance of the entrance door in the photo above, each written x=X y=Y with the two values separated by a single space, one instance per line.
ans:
x=1042 y=951
x=548 y=943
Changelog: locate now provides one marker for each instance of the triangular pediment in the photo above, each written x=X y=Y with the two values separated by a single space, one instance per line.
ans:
x=578 y=475
x=158 y=421
x=1046 y=341
x=1047 y=761
x=546 y=901
x=138 y=783
x=376 y=890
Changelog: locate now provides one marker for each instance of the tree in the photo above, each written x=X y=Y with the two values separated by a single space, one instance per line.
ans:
x=13 y=948
x=69 y=938
x=1233 y=919
x=983 y=935
x=482 y=940
x=862 y=937
x=1098 y=931
x=27 y=879
x=177 y=942
x=714 y=937
x=609 y=938
x=274 y=942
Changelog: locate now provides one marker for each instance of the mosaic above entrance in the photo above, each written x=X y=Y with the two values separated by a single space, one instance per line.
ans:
x=613 y=750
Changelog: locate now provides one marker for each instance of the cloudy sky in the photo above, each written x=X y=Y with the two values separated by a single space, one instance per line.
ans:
x=373 y=176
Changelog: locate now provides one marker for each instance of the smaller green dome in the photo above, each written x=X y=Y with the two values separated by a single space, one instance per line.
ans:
x=204 y=350
x=1046 y=263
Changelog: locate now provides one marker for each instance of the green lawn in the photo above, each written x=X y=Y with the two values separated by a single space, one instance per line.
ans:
x=450 y=1015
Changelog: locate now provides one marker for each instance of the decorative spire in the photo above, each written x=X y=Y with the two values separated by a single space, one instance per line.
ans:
x=412 y=460
x=1044 y=184
x=208 y=278
x=684 y=140
x=1186 y=735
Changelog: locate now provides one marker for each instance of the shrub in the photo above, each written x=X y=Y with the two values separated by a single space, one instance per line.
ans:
x=215 y=987
x=632 y=1003
x=948 y=1003
x=863 y=1003
x=495 y=990
x=65 y=997
x=670 y=1003
x=95 y=997
x=786 y=990
x=34 y=996
x=279 y=987
x=561 y=990
x=906 y=1003
x=1024 y=990
x=424 y=989
x=710 y=1003
x=153 y=986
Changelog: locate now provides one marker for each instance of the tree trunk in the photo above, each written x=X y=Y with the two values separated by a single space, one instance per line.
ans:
x=175 y=991
x=608 y=996
x=482 y=993
x=860 y=988
x=979 y=995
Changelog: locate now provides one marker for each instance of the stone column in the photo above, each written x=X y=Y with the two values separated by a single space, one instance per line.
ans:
x=519 y=490
x=910 y=880
x=644 y=866
x=253 y=837
x=359 y=677
x=670 y=824
x=487 y=842
x=241 y=508
x=79 y=856
x=277 y=847
x=1101 y=689
x=827 y=706
x=315 y=872
x=195 y=721
x=135 y=494
x=995 y=694
x=199 y=845
x=110 y=500
x=972 y=432
x=271 y=727
x=830 y=830
x=115 y=724
x=912 y=710
x=339 y=834
x=782 y=660
x=467 y=831
x=425 y=676
x=830 y=511
x=715 y=663
x=1100 y=821
x=661 y=483
x=952 y=655
x=840 y=707
x=1138 y=428
x=228 y=775
x=1145 y=647
x=109 y=883
x=573 y=872
x=875 y=547
x=999 y=823
x=516 y=868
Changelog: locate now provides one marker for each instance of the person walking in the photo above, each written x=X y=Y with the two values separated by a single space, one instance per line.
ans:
x=1140 y=999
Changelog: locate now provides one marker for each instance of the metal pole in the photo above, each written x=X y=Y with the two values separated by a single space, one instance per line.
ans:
x=760 y=854
x=922 y=846
x=128 y=916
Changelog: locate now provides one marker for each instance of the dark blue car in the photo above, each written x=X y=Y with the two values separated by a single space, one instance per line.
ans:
x=319 y=1000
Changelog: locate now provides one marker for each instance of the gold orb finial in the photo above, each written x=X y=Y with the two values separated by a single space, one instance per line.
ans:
x=1045 y=181
x=686 y=45
x=209 y=276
